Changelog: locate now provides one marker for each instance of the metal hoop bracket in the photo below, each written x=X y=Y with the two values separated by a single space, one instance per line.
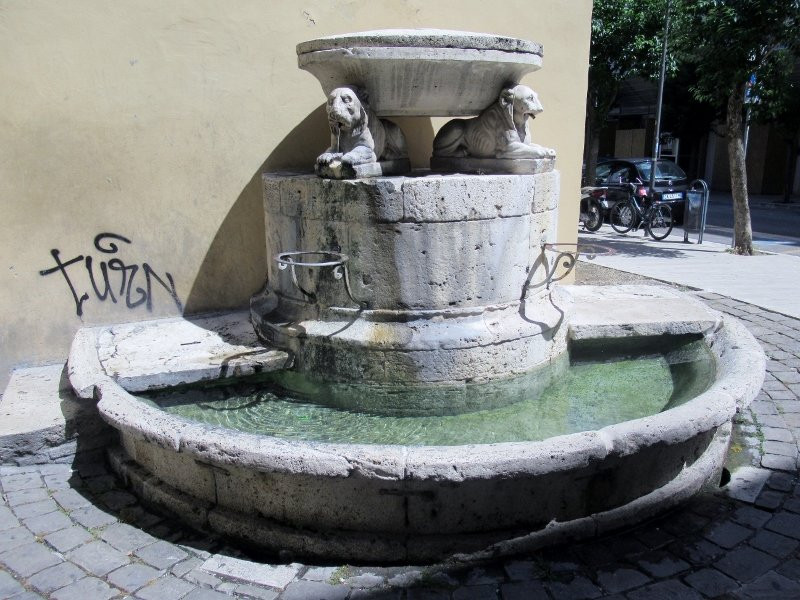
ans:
x=570 y=258
x=335 y=260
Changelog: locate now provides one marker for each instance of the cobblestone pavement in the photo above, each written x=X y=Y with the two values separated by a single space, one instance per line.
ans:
x=75 y=534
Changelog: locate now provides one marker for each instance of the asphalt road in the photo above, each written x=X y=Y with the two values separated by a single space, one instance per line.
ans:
x=775 y=228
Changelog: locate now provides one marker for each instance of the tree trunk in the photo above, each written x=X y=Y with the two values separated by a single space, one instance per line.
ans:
x=742 y=229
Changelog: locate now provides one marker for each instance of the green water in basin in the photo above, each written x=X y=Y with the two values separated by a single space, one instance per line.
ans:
x=585 y=390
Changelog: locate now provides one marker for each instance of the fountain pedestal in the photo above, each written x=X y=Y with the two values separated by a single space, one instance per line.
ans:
x=444 y=279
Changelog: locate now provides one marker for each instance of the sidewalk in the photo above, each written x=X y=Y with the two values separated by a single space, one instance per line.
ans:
x=771 y=281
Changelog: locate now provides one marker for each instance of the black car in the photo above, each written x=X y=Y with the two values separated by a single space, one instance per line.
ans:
x=670 y=185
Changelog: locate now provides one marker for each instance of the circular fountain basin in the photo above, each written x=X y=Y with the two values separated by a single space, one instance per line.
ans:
x=421 y=72
x=399 y=503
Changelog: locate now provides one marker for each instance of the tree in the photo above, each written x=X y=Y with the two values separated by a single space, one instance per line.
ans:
x=626 y=42
x=730 y=42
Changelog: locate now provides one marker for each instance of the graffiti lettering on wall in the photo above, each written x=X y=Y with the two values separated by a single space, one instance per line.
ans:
x=111 y=272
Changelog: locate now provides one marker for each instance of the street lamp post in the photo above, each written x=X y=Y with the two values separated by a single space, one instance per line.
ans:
x=657 y=138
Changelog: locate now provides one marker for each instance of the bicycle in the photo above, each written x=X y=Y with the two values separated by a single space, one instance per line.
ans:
x=655 y=217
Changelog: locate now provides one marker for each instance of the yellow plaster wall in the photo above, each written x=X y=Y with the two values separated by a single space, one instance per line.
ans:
x=153 y=120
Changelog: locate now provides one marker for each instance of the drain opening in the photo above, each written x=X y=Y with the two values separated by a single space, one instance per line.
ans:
x=725 y=477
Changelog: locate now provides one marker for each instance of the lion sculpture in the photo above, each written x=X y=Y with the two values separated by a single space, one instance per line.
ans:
x=358 y=136
x=500 y=131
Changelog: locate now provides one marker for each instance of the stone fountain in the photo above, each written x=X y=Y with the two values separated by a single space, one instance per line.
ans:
x=431 y=280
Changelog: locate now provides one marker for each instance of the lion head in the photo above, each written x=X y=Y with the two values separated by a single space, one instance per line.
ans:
x=346 y=109
x=522 y=99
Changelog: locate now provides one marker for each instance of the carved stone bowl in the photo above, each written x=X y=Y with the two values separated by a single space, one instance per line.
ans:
x=421 y=72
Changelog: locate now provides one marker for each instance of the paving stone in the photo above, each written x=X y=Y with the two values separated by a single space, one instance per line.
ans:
x=28 y=596
x=792 y=504
x=523 y=590
x=790 y=569
x=779 y=463
x=180 y=569
x=44 y=524
x=579 y=588
x=116 y=500
x=777 y=434
x=13 y=538
x=319 y=573
x=21 y=481
x=364 y=580
x=770 y=585
x=728 y=534
x=749 y=515
x=374 y=595
x=202 y=577
x=787 y=377
x=684 y=523
x=59 y=481
x=7 y=519
x=161 y=555
x=772 y=543
x=252 y=591
x=70 y=499
x=522 y=570
x=476 y=592
x=746 y=563
x=27 y=496
x=101 y=484
x=662 y=564
x=304 y=590
x=781 y=448
x=29 y=559
x=56 y=577
x=277 y=576
x=88 y=587
x=621 y=580
x=69 y=538
x=131 y=577
x=769 y=499
x=9 y=586
x=125 y=538
x=653 y=537
x=700 y=552
x=783 y=482
x=92 y=517
x=98 y=558
x=785 y=523
x=491 y=576
x=665 y=590
x=166 y=587
x=35 y=509
x=711 y=582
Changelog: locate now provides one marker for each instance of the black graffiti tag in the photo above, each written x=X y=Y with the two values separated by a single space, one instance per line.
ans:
x=133 y=295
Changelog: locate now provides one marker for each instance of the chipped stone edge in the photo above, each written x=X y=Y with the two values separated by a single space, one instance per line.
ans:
x=84 y=369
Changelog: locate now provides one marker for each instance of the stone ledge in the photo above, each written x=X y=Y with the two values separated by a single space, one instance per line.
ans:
x=162 y=353
x=492 y=166
x=637 y=311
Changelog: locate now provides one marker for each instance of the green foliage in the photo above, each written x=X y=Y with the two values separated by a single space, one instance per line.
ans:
x=626 y=42
x=730 y=40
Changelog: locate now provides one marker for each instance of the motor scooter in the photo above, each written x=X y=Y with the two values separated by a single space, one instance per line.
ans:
x=594 y=207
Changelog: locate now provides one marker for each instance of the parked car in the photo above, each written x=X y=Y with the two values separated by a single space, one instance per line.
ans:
x=670 y=185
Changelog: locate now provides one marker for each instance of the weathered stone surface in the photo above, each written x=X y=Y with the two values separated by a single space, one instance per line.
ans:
x=427 y=72
x=492 y=166
x=242 y=570
x=167 y=352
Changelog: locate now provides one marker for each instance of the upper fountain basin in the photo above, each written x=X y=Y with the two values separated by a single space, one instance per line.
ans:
x=421 y=72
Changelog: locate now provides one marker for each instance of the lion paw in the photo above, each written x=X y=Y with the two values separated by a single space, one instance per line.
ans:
x=327 y=158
